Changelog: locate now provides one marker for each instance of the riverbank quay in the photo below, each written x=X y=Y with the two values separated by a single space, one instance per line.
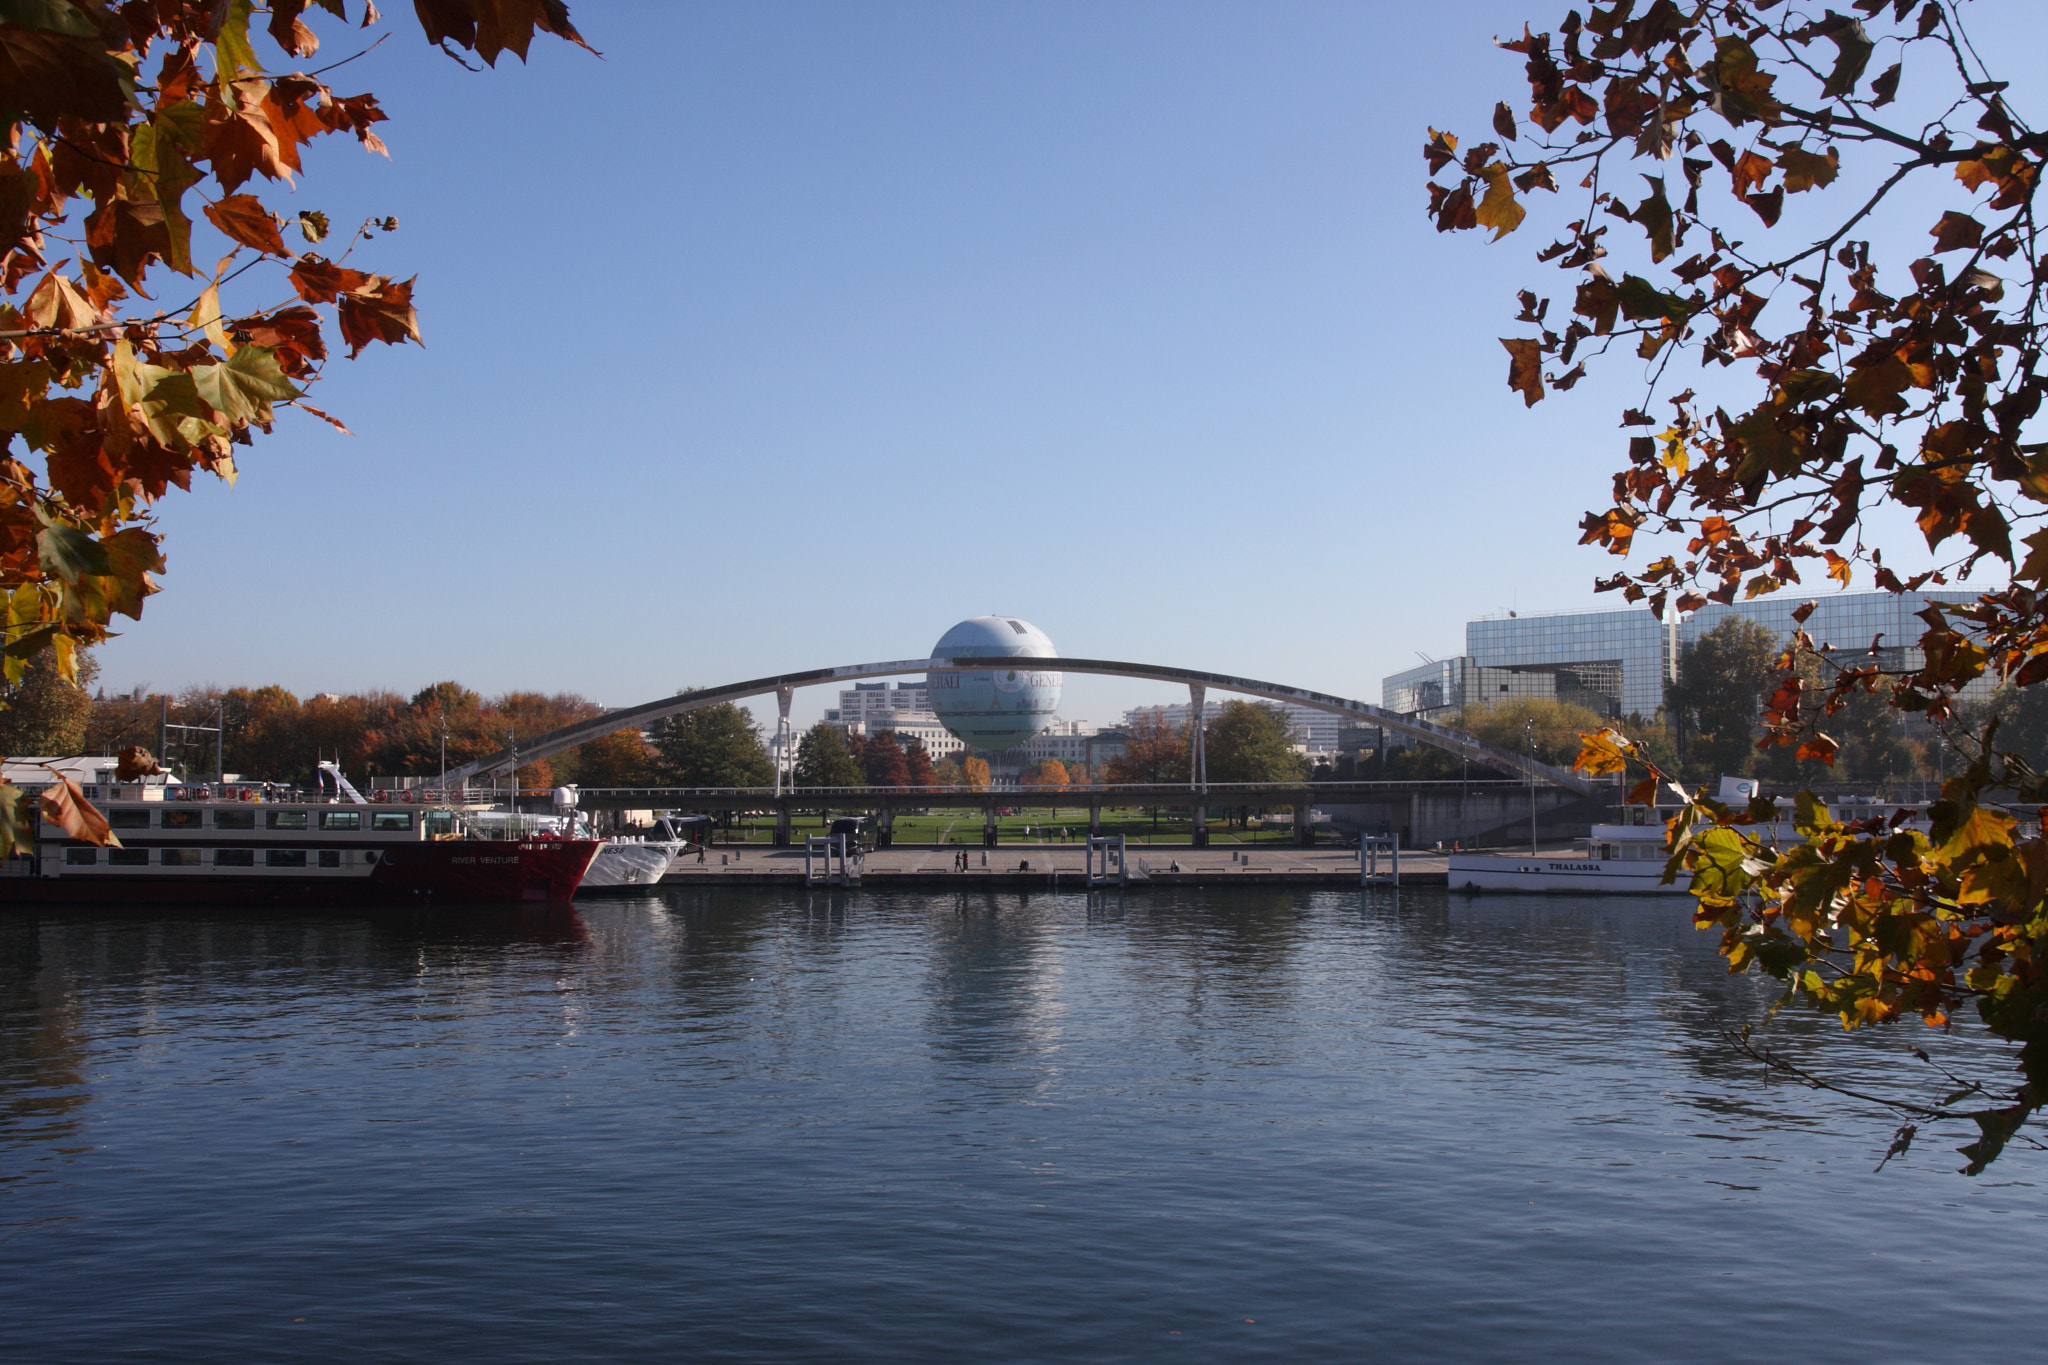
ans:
x=1039 y=866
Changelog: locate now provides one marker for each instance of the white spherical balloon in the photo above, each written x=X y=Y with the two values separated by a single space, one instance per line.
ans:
x=1004 y=706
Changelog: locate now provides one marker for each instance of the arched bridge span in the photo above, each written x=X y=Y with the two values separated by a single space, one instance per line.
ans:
x=783 y=685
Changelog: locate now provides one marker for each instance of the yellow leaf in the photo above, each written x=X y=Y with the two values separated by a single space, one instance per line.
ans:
x=206 y=317
x=1675 y=457
x=1499 y=209
x=1606 y=751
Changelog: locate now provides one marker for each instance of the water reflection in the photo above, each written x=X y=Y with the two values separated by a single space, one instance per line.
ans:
x=782 y=1125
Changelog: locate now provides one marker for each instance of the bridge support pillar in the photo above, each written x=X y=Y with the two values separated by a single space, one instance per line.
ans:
x=1095 y=819
x=785 y=738
x=1200 y=838
x=885 y=832
x=782 y=823
x=1304 y=822
x=988 y=825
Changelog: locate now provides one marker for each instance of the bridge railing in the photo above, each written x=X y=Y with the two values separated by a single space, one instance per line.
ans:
x=1147 y=793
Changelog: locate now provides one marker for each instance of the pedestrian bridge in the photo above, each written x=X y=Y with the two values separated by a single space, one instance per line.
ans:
x=783 y=686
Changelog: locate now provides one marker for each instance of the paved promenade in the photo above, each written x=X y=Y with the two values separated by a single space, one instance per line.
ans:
x=1041 y=865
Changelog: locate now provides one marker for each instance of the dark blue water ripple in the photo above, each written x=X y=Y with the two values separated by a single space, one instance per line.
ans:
x=1261 y=1125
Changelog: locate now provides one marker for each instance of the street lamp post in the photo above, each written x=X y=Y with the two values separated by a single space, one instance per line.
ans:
x=1529 y=732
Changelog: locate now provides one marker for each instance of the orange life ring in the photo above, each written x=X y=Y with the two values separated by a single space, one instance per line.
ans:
x=408 y=796
x=248 y=793
x=380 y=796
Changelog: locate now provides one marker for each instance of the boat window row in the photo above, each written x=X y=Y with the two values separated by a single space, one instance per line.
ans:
x=219 y=857
x=238 y=817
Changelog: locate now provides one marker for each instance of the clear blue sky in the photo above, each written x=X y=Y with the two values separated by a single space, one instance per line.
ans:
x=787 y=335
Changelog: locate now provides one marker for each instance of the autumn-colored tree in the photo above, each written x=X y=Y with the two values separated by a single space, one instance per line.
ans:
x=537 y=776
x=127 y=129
x=1047 y=772
x=882 y=757
x=823 y=759
x=44 y=713
x=917 y=764
x=1882 y=383
x=620 y=759
x=1155 y=753
x=974 y=773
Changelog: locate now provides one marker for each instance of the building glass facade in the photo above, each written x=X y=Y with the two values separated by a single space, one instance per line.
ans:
x=1616 y=662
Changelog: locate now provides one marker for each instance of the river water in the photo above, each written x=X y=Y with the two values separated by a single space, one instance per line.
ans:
x=756 y=1126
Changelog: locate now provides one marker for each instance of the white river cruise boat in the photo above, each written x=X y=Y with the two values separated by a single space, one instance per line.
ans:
x=344 y=849
x=623 y=861
x=1626 y=859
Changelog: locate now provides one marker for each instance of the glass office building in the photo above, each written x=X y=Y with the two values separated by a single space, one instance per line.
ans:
x=1616 y=662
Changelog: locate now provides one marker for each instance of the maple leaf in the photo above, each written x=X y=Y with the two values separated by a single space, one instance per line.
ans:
x=1498 y=210
x=54 y=64
x=135 y=763
x=319 y=280
x=242 y=387
x=1955 y=232
x=490 y=27
x=381 y=310
x=56 y=302
x=1525 y=368
x=289 y=31
x=292 y=333
x=243 y=218
x=237 y=137
x=1604 y=751
x=65 y=806
x=1805 y=170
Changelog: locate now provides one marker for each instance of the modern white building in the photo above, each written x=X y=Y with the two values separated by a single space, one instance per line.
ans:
x=1617 y=662
x=865 y=703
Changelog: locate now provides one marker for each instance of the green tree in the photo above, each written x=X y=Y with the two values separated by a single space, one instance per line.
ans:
x=1723 y=678
x=45 y=715
x=712 y=746
x=1887 y=381
x=1247 y=742
x=823 y=759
